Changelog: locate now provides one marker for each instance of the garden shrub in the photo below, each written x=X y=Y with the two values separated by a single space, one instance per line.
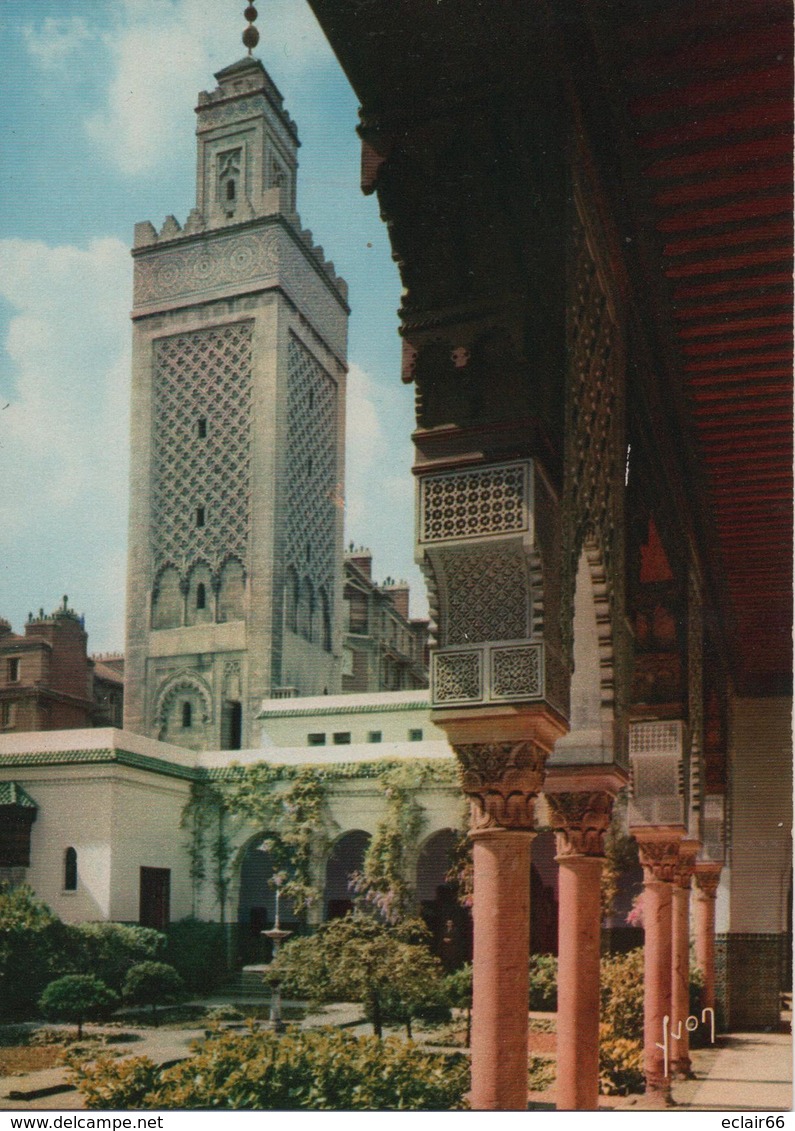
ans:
x=153 y=984
x=109 y=950
x=543 y=987
x=108 y=1084
x=197 y=951
x=315 y=1070
x=78 y=998
x=357 y=958
x=32 y=942
x=541 y=1072
x=620 y=1063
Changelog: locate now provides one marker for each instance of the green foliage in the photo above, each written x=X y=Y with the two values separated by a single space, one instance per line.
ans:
x=109 y=1084
x=109 y=950
x=620 y=1063
x=289 y=801
x=621 y=1030
x=621 y=854
x=540 y=1073
x=197 y=951
x=78 y=998
x=622 y=993
x=359 y=959
x=382 y=883
x=543 y=983
x=458 y=987
x=316 y=1070
x=32 y=941
x=153 y=984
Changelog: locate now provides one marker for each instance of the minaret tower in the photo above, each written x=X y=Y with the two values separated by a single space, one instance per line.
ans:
x=238 y=408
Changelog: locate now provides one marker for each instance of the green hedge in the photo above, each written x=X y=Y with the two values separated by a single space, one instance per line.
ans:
x=317 y=1070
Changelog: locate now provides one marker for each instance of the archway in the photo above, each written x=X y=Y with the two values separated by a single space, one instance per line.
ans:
x=544 y=895
x=346 y=857
x=450 y=924
x=256 y=907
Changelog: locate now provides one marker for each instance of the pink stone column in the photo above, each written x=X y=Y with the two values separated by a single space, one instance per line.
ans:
x=659 y=858
x=501 y=919
x=580 y=818
x=657 y=982
x=680 y=980
x=580 y=918
x=707 y=879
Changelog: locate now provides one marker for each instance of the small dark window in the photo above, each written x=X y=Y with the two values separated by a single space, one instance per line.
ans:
x=13 y=670
x=187 y=714
x=200 y=516
x=374 y=736
x=201 y=427
x=309 y=468
x=311 y=398
x=415 y=735
x=201 y=596
x=70 y=870
x=318 y=739
x=308 y=552
x=230 y=190
x=342 y=738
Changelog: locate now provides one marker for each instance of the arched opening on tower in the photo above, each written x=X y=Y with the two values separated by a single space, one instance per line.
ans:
x=449 y=922
x=345 y=860
x=232 y=725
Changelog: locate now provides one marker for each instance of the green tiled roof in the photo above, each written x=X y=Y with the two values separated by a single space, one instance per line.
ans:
x=13 y=794
x=120 y=757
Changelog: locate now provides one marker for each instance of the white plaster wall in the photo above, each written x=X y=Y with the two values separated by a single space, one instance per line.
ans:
x=393 y=713
x=73 y=812
x=761 y=815
x=146 y=813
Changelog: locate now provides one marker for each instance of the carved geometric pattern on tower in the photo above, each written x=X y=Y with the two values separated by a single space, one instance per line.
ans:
x=312 y=486
x=593 y=429
x=474 y=503
x=201 y=376
x=487 y=595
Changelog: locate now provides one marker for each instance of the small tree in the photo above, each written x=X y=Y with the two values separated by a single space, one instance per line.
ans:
x=153 y=984
x=78 y=998
x=458 y=991
x=359 y=959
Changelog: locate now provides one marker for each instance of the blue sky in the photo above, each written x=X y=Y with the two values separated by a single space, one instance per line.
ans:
x=97 y=99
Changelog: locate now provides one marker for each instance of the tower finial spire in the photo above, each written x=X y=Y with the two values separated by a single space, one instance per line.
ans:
x=250 y=35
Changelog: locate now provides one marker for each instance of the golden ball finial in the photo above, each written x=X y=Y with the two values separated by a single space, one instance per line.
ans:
x=250 y=35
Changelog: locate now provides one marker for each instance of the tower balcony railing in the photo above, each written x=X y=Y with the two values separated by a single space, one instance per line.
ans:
x=476 y=674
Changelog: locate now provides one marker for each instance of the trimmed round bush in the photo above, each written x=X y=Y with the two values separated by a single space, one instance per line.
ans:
x=78 y=998
x=153 y=984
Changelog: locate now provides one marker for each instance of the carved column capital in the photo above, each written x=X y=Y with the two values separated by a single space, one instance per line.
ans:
x=580 y=821
x=686 y=864
x=660 y=859
x=502 y=781
x=707 y=879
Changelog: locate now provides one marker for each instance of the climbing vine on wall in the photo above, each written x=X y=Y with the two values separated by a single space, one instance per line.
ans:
x=290 y=804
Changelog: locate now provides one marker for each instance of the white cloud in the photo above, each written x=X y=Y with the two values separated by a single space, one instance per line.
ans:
x=53 y=43
x=162 y=52
x=64 y=421
x=364 y=443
